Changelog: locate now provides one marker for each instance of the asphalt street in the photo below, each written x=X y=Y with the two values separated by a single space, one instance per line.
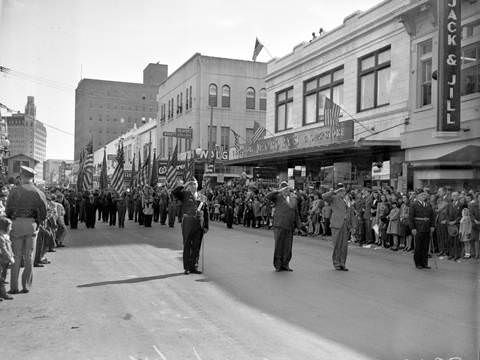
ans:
x=121 y=294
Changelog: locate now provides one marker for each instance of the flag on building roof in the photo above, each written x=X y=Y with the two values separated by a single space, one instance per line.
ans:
x=256 y=50
x=236 y=140
x=172 y=169
x=154 y=172
x=331 y=113
x=118 y=174
x=103 y=172
x=258 y=132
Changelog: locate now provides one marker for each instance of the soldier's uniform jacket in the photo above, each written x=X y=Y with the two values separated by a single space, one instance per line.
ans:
x=191 y=206
x=286 y=214
x=421 y=217
x=28 y=202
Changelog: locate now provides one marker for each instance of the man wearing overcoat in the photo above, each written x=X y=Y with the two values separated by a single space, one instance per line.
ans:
x=285 y=219
x=422 y=223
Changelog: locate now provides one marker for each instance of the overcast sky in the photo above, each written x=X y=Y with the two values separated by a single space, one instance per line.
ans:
x=48 y=42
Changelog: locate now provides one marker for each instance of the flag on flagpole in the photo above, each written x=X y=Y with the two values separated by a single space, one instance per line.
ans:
x=331 y=114
x=117 y=178
x=133 y=178
x=103 y=173
x=154 y=172
x=88 y=167
x=80 y=171
x=172 y=169
x=258 y=132
x=236 y=140
x=256 y=50
x=189 y=173
x=145 y=176
x=139 y=171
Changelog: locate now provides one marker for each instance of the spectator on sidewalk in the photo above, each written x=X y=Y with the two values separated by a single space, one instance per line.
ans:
x=6 y=255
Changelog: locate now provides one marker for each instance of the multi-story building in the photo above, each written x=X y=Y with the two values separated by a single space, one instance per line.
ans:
x=438 y=156
x=28 y=136
x=56 y=172
x=211 y=93
x=360 y=66
x=106 y=109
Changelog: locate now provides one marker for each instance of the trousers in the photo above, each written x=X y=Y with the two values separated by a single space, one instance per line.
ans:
x=340 y=245
x=192 y=234
x=23 y=236
x=283 y=247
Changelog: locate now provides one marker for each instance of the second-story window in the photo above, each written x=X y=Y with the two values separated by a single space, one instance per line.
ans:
x=212 y=95
x=263 y=99
x=226 y=96
x=470 y=71
x=424 y=73
x=374 y=83
x=284 y=110
x=250 y=98
x=225 y=138
x=315 y=90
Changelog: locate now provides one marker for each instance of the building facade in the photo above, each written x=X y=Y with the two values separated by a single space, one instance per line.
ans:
x=106 y=109
x=360 y=66
x=28 y=136
x=13 y=165
x=57 y=172
x=443 y=157
x=212 y=97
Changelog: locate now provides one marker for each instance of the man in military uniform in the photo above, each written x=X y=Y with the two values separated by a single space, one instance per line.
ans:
x=285 y=219
x=26 y=207
x=163 y=204
x=194 y=223
x=422 y=223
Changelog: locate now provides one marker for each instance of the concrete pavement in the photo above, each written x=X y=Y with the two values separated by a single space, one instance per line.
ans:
x=121 y=294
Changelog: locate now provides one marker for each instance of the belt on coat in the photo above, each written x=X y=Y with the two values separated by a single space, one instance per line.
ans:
x=422 y=219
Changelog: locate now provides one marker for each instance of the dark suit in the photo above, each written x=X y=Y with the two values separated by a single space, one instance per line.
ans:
x=193 y=225
x=454 y=216
x=341 y=223
x=421 y=218
x=474 y=208
x=284 y=221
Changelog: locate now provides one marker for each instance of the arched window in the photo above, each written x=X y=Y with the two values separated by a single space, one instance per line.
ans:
x=263 y=99
x=212 y=95
x=226 y=96
x=250 y=98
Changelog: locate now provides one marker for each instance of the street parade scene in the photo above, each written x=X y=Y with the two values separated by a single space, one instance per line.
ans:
x=322 y=203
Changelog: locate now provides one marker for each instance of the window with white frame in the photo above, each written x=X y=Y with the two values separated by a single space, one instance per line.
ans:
x=470 y=72
x=424 y=72
x=226 y=96
x=250 y=98
x=212 y=95
x=284 y=110
x=263 y=99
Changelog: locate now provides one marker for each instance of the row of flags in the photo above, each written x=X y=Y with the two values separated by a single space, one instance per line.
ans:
x=86 y=168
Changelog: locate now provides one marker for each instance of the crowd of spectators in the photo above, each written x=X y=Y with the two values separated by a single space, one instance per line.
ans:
x=381 y=216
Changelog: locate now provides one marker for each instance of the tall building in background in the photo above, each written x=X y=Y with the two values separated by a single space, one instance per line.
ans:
x=106 y=109
x=28 y=136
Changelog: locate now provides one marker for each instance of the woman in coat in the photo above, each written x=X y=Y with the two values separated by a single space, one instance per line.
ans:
x=394 y=225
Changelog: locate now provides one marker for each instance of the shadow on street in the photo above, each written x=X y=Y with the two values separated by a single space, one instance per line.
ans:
x=130 y=281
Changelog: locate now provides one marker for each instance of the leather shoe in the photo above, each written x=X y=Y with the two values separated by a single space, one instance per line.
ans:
x=427 y=267
x=38 y=265
x=343 y=268
x=419 y=267
x=287 y=268
x=13 y=292
x=6 y=297
x=195 y=271
x=186 y=272
x=25 y=291
x=339 y=268
x=277 y=269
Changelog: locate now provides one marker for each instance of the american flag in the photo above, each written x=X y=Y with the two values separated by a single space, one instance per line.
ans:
x=258 y=132
x=256 y=50
x=189 y=169
x=134 y=175
x=154 y=171
x=138 y=181
x=331 y=113
x=172 y=169
x=237 y=140
x=145 y=172
x=117 y=178
x=87 y=169
x=103 y=173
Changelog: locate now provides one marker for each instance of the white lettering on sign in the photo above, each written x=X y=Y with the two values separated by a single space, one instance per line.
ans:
x=452 y=3
x=452 y=27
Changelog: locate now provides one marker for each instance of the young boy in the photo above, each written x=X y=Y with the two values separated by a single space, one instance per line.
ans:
x=6 y=255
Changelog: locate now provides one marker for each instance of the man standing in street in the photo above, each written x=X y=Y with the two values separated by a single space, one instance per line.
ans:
x=422 y=223
x=194 y=223
x=26 y=207
x=340 y=223
x=284 y=221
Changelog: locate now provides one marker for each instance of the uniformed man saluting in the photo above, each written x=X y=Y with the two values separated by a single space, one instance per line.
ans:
x=26 y=207
x=422 y=223
x=194 y=223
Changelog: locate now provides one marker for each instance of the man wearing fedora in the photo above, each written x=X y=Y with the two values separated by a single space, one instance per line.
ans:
x=26 y=207
x=285 y=219
x=340 y=223
x=194 y=222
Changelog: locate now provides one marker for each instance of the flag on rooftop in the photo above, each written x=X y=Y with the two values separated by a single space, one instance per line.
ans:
x=256 y=50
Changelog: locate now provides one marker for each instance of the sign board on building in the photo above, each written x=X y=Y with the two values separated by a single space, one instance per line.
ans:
x=170 y=133
x=305 y=139
x=381 y=172
x=184 y=133
x=449 y=64
x=111 y=157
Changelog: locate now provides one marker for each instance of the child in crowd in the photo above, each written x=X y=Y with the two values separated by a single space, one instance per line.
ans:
x=465 y=232
x=6 y=255
x=394 y=224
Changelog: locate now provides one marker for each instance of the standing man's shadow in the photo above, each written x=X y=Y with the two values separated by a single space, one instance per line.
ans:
x=130 y=281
